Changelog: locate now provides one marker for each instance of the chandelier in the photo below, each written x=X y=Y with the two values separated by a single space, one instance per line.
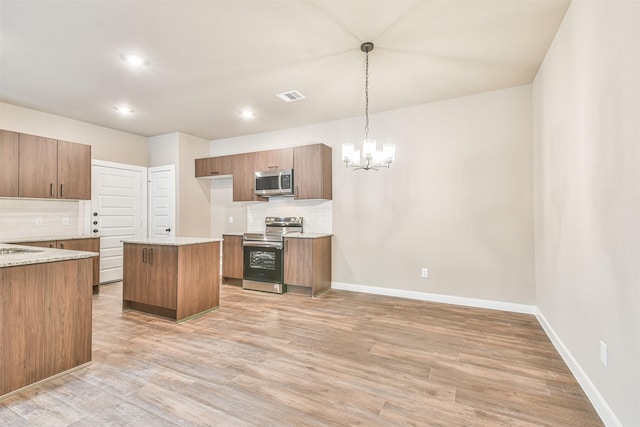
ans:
x=372 y=158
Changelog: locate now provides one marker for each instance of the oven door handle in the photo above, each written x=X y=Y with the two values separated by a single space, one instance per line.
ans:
x=262 y=245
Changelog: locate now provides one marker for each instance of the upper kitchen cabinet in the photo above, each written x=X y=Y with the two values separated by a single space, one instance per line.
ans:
x=312 y=172
x=272 y=160
x=48 y=168
x=9 y=149
x=38 y=167
x=244 y=177
x=74 y=171
x=214 y=166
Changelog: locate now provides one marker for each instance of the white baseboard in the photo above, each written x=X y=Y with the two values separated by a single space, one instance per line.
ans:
x=447 y=299
x=602 y=408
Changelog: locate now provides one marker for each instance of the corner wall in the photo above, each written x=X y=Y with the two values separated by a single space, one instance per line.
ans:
x=587 y=200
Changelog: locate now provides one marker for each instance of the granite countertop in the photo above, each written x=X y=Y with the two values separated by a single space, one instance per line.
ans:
x=44 y=239
x=173 y=241
x=37 y=255
x=307 y=235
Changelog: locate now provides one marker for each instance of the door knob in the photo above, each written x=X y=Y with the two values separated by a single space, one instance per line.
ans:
x=168 y=230
x=95 y=230
x=95 y=214
x=95 y=222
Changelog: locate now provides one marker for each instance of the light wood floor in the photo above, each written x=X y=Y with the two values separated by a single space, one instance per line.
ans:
x=288 y=360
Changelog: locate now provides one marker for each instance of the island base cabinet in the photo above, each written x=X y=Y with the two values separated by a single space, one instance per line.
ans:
x=177 y=282
x=45 y=321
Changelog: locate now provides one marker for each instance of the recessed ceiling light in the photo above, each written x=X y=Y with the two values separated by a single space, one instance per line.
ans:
x=247 y=114
x=134 y=60
x=123 y=109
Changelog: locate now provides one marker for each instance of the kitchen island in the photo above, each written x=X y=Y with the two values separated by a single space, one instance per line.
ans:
x=45 y=313
x=177 y=278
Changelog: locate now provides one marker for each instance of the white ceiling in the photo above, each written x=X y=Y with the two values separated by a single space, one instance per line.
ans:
x=207 y=60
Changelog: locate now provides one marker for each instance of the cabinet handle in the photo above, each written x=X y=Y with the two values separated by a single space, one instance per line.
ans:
x=150 y=255
x=51 y=245
x=61 y=245
x=214 y=173
x=272 y=167
x=144 y=255
x=61 y=190
x=51 y=189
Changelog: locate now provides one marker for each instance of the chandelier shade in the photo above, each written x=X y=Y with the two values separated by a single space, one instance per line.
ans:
x=370 y=158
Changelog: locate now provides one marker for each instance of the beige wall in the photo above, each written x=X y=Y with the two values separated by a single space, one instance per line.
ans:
x=106 y=144
x=587 y=196
x=458 y=200
x=193 y=197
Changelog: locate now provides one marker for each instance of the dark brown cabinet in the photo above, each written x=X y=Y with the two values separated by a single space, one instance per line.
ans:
x=9 y=150
x=49 y=169
x=214 y=166
x=312 y=172
x=244 y=177
x=232 y=257
x=90 y=244
x=307 y=263
x=174 y=281
x=311 y=164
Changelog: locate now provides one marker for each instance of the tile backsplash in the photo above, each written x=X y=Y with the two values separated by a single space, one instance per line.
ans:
x=318 y=214
x=21 y=218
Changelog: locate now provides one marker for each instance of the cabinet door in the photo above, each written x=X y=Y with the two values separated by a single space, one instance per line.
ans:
x=163 y=276
x=298 y=262
x=38 y=167
x=214 y=166
x=74 y=171
x=135 y=281
x=9 y=149
x=312 y=172
x=232 y=262
x=274 y=160
x=244 y=177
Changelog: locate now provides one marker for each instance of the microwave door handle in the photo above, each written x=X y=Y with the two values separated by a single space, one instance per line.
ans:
x=280 y=182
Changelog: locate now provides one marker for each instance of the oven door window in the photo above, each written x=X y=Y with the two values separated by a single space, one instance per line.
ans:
x=263 y=264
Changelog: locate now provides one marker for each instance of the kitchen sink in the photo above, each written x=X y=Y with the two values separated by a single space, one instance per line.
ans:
x=10 y=251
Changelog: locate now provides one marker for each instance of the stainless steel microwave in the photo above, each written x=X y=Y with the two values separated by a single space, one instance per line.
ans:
x=274 y=183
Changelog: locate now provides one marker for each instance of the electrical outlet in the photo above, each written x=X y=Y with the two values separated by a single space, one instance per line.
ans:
x=39 y=222
x=603 y=353
x=230 y=220
x=425 y=272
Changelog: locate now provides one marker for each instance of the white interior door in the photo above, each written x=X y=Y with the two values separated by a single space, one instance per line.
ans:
x=162 y=201
x=119 y=211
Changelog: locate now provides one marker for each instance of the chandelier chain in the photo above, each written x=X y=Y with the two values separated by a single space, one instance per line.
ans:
x=366 y=96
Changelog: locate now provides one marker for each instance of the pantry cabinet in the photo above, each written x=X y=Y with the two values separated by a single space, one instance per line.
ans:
x=307 y=263
x=9 y=149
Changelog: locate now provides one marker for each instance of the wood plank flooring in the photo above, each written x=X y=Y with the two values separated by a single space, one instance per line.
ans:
x=343 y=358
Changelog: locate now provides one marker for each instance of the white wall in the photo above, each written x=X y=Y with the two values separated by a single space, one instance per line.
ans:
x=587 y=199
x=193 y=196
x=106 y=144
x=458 y=200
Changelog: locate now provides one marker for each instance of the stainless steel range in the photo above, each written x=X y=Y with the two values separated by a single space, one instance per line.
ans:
x=263 y=254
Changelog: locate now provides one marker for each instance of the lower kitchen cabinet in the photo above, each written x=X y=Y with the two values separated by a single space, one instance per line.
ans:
x=90 y=244
x=232 y=257
x=45 y=321
x=307 y=263
x=171 y=280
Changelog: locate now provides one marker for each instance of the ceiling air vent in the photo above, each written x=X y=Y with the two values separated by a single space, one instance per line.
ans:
x=292 y=95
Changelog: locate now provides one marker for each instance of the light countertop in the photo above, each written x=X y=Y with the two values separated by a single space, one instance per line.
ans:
x=173 y=241
x=44 y=239
x=39 y=255
x=306 y=235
